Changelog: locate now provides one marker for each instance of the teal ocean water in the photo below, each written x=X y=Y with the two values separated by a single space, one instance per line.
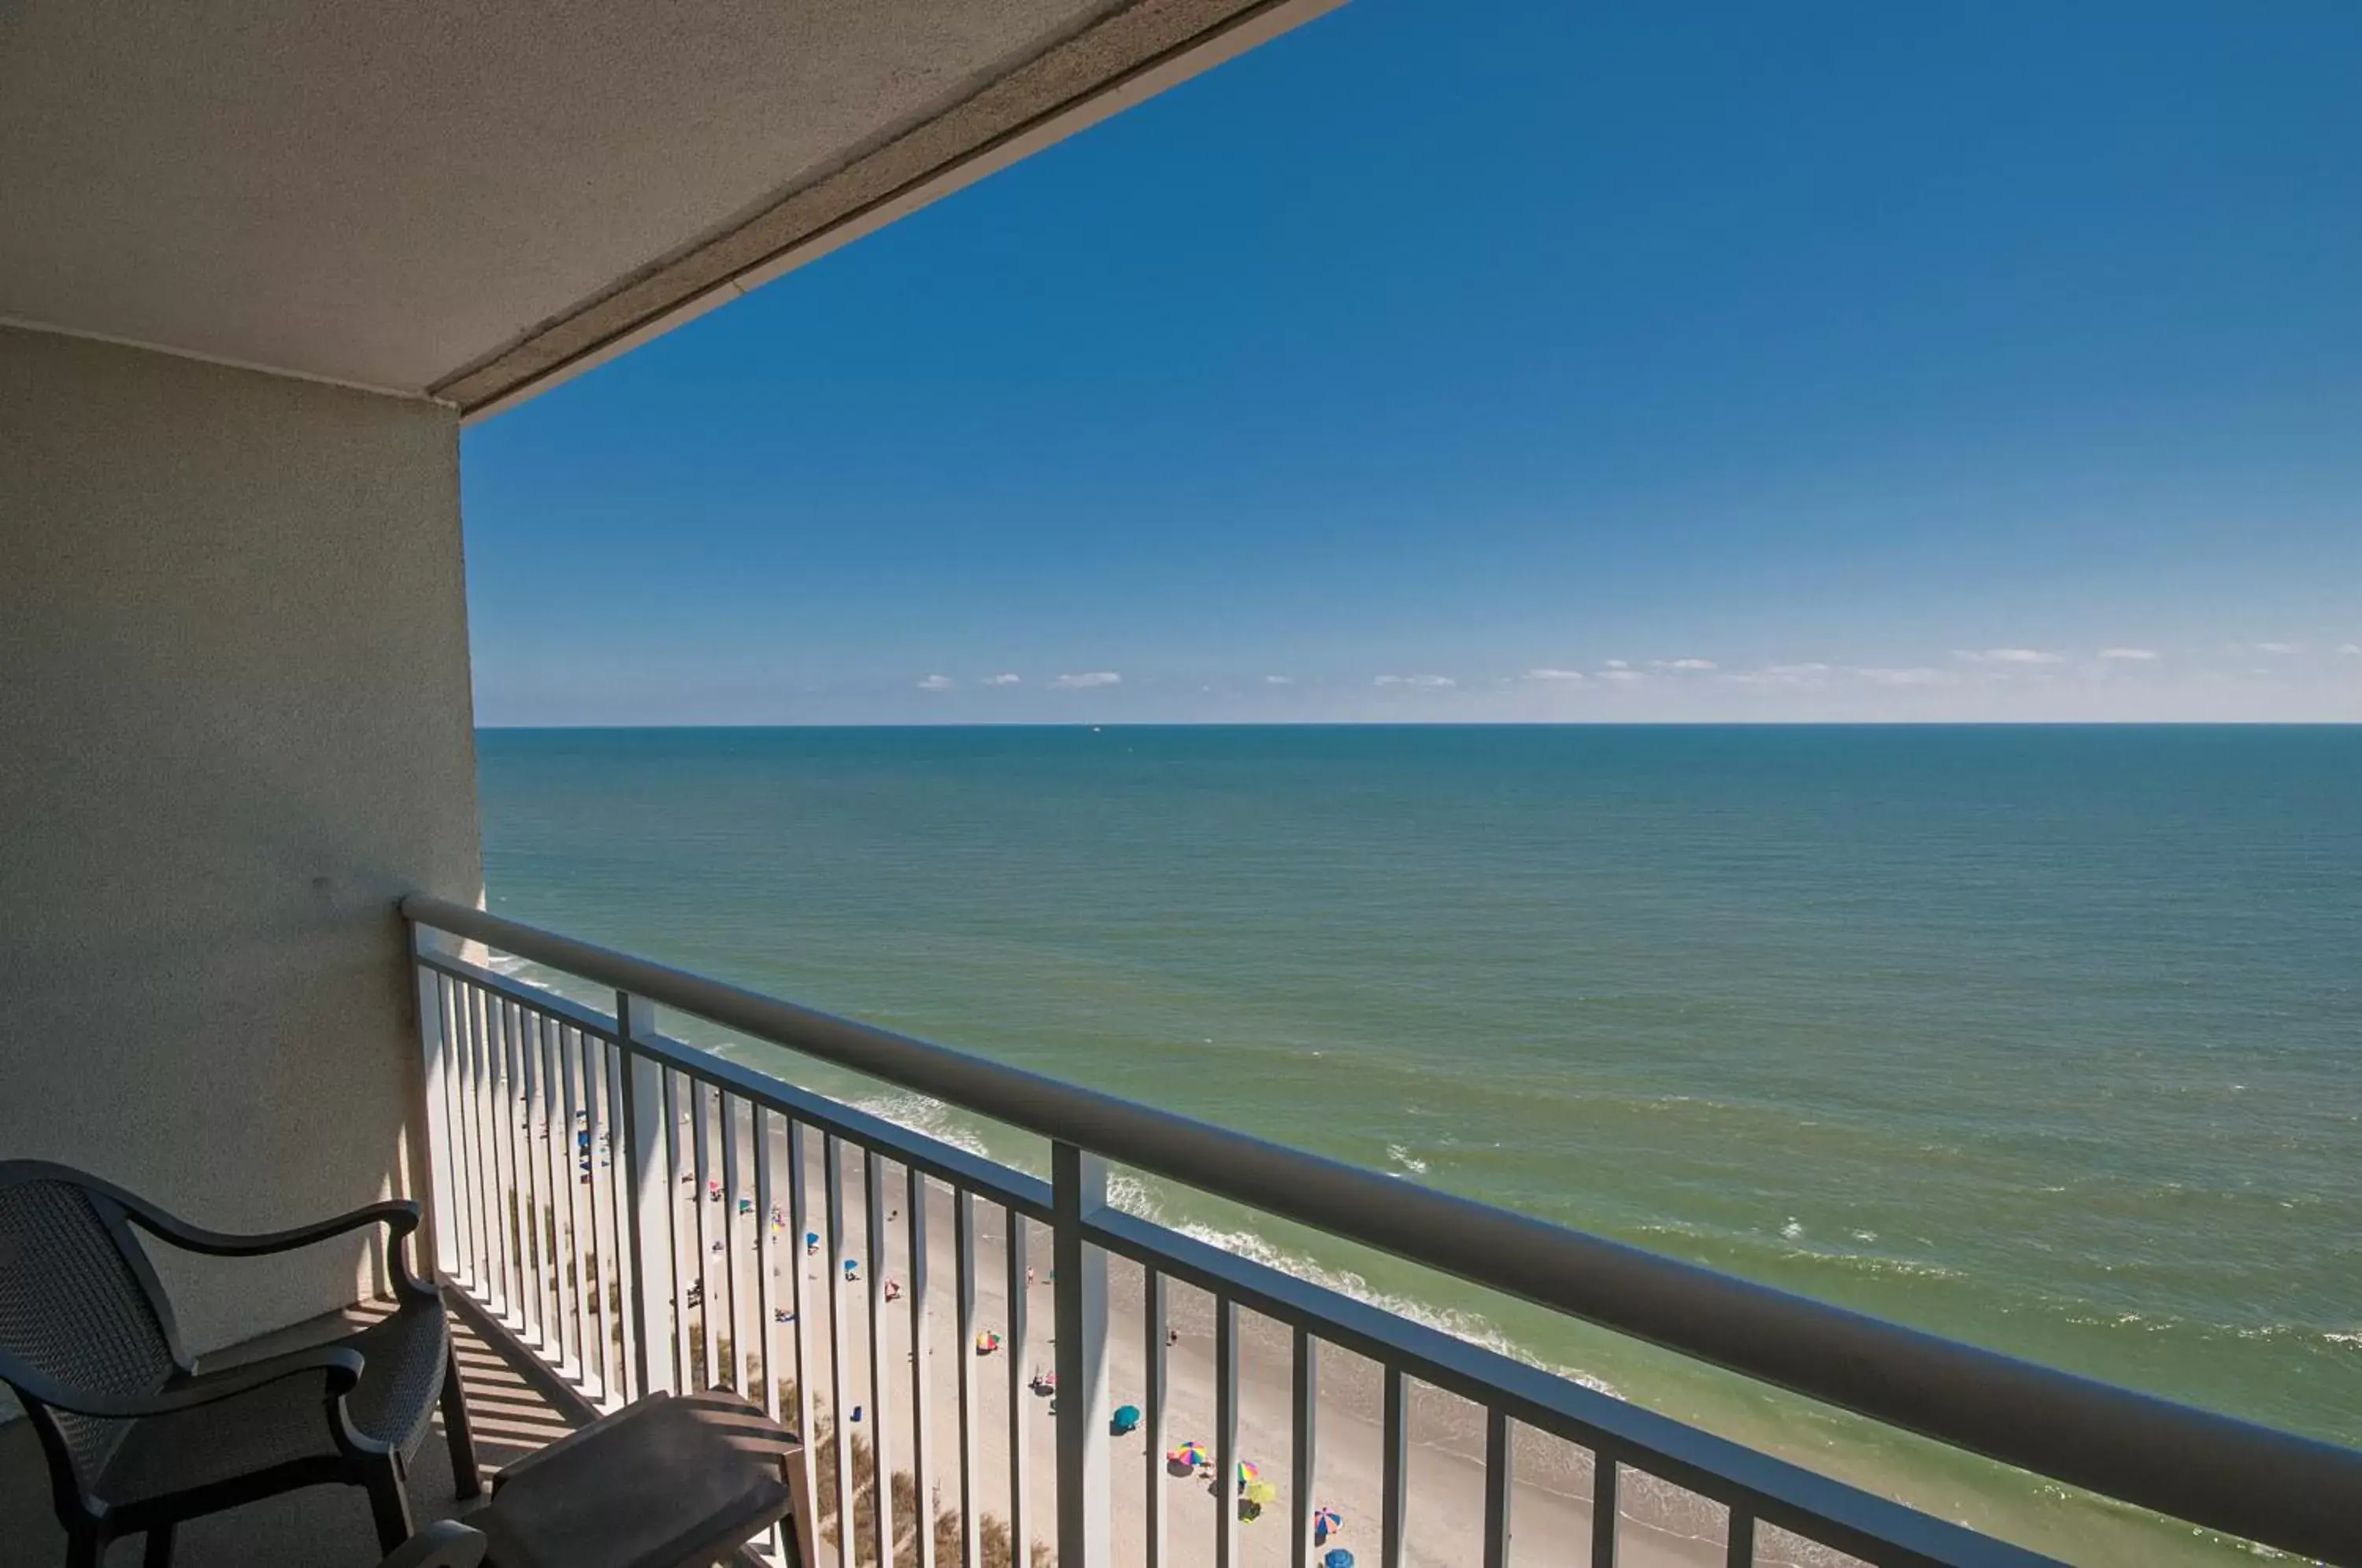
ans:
x=2047 y=1038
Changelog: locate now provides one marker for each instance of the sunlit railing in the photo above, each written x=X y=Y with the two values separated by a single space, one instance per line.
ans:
x=588 y=1180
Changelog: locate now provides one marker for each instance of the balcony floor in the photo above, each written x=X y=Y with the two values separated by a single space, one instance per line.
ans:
x=322 y=1527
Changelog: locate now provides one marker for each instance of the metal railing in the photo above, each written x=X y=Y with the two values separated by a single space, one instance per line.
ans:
x=584 y=1243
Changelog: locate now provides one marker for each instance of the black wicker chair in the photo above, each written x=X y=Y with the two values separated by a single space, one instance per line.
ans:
x=138 y=1439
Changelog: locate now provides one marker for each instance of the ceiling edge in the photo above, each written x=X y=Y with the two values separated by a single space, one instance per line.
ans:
x=1129 y=56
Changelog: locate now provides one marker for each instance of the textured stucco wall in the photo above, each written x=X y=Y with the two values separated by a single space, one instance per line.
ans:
x=235 y=726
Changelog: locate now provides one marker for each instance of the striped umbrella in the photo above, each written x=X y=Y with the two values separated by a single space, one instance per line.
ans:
x=1248 y=1474
x=1188 y=1453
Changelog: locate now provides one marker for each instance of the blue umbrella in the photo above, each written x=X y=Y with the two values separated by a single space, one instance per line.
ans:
x=1340 y=1558
x=1127 y=1416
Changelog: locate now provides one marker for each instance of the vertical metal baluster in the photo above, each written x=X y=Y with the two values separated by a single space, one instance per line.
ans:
x=495 y=1123
x=766 y=1261
x=488 y=1123
x=1602 y=1510
x=541 y=1126
x=435 y=1251
x=964 y=1268
x=542 y=1132
x=531 y=1245
x=686 y=1233
x=740 y=1348
x=1304 y=1453
x=471 y=1097
x=881 y=1378
x=1500 y=1483
x=1154 y=1359
x=514 y=1107
x=496 y=1036
x=1020 y=1462
x=545 y=1209
x=833 y=1185
x=800 y=1303
x=922 y=1452
x=503 y=1136
x=1078 y=1296
x=631 y=1325
x=574 y=1257
x=763 y=1358
x=648 y=1177
x=479 y=1146
x=590 y=1067
x=1226 y=1432
x=709 y=1317
x=454 y=1083
x=1393 y=1496
x=555 y=1159
x=1738 y=1549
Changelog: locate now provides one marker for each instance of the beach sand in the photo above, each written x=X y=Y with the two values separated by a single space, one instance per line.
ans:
x=1660 y=1526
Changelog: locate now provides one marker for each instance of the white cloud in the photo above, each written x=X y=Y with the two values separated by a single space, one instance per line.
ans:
x=1003 y=680
x=937 y=683
x=2352 y=648
x=1616 y=671
x=1553 y=675
x=2007 y=655
x=1087 y=680
x=1279 y=680
x=1908 y=674
x=1620 y=664
x=2281 y=648
x=2134 y=653
x=1807 y=674
x=1425 y=682
x=1683 y=663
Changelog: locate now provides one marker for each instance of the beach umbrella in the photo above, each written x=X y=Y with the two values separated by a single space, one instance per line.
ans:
x=1188 y=1453
x=1248 y=1474
x=987 y=1342
x=1326 y=1522
x=1340 y=1558
x=1126 y=1418
x=1263 y=1494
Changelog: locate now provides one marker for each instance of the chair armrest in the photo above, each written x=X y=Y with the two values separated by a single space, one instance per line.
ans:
x=399 y=1215
x=340 y=1364
x=447 y=1543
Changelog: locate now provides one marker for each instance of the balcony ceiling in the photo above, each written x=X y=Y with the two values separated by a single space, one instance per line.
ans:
x=473 y=201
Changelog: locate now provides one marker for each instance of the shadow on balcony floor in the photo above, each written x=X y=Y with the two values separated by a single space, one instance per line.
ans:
x=514 y=1408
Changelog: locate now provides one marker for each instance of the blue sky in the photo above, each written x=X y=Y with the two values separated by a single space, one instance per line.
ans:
x=1489 y=361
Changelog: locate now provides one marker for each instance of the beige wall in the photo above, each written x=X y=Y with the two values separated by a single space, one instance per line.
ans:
x=235 y=726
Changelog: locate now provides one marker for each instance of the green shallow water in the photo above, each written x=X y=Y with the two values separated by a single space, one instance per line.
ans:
x=2047 y=1038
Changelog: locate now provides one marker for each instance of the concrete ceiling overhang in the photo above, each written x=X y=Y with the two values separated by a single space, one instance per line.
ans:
x=474 y=200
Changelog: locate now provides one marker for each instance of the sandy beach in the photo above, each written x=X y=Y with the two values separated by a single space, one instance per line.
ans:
x=1661 y=1527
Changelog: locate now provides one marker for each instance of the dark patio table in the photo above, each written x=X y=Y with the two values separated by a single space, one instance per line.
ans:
x=667 y=1482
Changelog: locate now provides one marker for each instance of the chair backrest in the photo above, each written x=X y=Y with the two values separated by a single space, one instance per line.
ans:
x=78 y=1308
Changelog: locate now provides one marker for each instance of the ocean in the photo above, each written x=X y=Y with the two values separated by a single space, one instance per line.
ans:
x=2047 y=1038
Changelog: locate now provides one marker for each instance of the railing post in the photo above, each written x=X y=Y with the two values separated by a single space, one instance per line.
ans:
x=1079 y=1293
x=650 y=1176
x=438 y=1248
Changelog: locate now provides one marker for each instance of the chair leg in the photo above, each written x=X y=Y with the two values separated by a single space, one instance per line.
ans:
x=389 y=1501
x=159 y=1547
x=461 y=1437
